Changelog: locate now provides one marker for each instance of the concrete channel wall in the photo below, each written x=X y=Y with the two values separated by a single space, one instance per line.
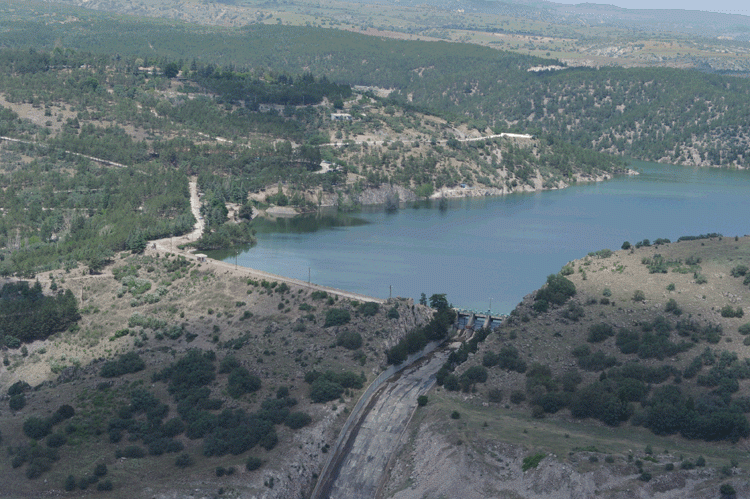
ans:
x=339 y=450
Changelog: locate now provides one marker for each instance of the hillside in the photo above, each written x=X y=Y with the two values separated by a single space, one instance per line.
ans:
x=96 y=159
x=184 y=376
x=649 y=113
x=636 y=383
x=587 y=34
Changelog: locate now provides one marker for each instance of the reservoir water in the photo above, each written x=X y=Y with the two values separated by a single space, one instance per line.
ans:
x=498 y=249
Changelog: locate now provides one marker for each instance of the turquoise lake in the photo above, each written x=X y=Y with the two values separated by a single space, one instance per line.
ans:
x=499 y=249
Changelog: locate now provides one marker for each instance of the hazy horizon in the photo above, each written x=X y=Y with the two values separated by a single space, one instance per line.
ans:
x=721 y=6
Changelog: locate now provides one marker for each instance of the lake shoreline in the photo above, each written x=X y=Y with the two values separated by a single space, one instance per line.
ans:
x=498 y=247
x=385 y=195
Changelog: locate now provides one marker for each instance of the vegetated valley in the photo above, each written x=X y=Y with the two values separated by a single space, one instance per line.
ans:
x=129 y=361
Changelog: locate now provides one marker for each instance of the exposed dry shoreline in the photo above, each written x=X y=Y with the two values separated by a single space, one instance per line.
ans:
x=383 y=194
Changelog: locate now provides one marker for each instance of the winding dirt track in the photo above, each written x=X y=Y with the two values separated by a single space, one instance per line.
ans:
x=170 y=245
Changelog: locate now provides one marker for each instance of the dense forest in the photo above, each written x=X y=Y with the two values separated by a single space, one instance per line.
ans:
x=647 y=113
x=26 y=314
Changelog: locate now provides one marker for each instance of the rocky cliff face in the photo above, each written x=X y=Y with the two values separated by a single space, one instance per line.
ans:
x=437 y=464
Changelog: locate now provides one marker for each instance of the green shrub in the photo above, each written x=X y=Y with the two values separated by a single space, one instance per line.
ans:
x=574 y=312
x=739 y=270
x=240 y=382
x=639 y=295
x=393 y=313
x=369 y=309
x=104 y=486
x=422 y=400
x=727 y=491
x=597 y=361
x=17 y=402
x=510 y=359
x=532 y=461
x=490 y=359
x=350 y=340
x=495 y=395
x=228 y=364
x=36 y=428
x=599 y=332
x=673 y=307
x=126 y=363
x=728 y=311
x=56 y=440
x=194 y=370
x=540 y=306
x=63 y=412
x=628 y=341
x=744 y=329
x=337 y=317
x=18 y=388
x=183 y=461
x=253 y=463
x=475 y=374
x=451 y=383
x=324 y=390
x=100 y=469
x=570 y=379
x=297 y=420
x=455 y=415
x=517 y=396
x=70 y=483
x=557 y=290
x=173 y=427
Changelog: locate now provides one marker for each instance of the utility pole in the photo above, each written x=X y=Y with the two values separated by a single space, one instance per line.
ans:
x=308 y=275
x=390 y=291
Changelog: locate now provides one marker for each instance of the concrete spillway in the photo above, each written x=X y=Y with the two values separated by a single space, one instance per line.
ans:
x=358 y=471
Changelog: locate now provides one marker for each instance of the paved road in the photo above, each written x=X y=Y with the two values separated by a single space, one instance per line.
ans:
x=361 y=469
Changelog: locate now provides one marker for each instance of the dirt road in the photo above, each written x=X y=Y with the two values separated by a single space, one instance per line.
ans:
x=170 y=245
